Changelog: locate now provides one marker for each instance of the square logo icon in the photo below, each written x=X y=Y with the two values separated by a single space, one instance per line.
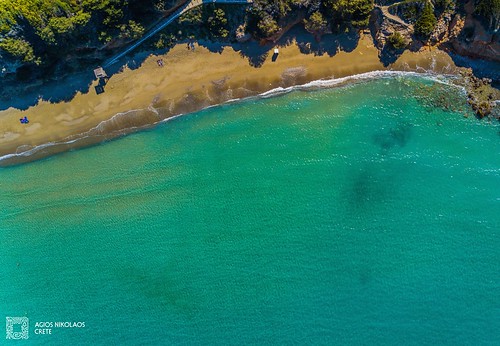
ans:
x=17 y=328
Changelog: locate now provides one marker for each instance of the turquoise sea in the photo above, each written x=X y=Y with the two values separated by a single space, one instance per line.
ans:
x=356 y=215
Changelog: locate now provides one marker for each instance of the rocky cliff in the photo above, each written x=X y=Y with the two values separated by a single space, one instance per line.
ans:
x=474 y=39
x=458 y=28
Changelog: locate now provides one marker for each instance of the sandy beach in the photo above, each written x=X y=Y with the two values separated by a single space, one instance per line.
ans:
x=188 y=81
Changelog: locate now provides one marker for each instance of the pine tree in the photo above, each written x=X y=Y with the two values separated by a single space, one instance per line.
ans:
x=426 y=23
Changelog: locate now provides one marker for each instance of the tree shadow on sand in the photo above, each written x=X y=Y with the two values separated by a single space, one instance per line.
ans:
x=254 y=52
x=257 y=53
x=389 y=55
x=251 y=50
x=22 y=92
x=60 y=83
x=214 y=47
x=329 y=44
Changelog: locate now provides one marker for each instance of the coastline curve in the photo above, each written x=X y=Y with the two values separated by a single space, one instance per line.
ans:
x=98 y=134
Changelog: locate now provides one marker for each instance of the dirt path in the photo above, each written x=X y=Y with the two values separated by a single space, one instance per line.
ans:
x=396 y=19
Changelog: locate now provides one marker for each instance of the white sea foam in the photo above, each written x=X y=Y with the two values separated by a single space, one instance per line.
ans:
x=330 y=83
x=35 y=149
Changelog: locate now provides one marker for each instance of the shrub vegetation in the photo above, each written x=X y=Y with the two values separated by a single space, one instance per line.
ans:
x=397 y=41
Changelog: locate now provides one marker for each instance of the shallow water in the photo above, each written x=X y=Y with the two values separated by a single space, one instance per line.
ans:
x=355 y=215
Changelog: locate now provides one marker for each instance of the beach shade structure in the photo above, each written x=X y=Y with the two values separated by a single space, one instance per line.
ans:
x=99 y=89
x=24 y=120
x=100 y=73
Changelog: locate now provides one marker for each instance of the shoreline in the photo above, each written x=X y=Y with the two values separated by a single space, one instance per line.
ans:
x=73 y=144
x=141 y=98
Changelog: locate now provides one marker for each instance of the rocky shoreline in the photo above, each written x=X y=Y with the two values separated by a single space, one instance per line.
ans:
x=458 y=33
x=481 y=96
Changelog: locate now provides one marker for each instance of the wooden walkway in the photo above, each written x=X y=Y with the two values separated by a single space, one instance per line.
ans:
x=164 y=23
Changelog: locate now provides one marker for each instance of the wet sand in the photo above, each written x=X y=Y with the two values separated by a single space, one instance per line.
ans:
x=188 y=81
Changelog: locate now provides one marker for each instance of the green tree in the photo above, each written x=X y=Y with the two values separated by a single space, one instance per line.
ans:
x=489 y=9
x=217 y=23
x=359 y=12
x=61 y=25
x=19 y=49
x=444 y=4
x=354 y=12
x=131 y=30
x=192 y=17
x=426 y=23
x=316 y=23
x=397 y=41
x=267 y=26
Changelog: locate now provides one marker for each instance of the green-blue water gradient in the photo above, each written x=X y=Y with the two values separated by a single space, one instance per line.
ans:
x=344 y=216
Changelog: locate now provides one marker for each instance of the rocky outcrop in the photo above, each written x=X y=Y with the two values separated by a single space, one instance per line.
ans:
x=456 y=26
x=474 y=40
x=482 y=97
x=479 y=46
x=462 y=33
x=442 y=30
x=383 y=26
